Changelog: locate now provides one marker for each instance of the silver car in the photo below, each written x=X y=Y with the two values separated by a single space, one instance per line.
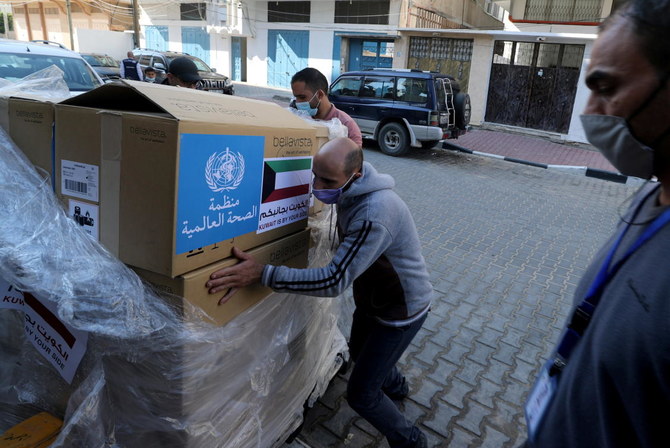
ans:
x=19 y=59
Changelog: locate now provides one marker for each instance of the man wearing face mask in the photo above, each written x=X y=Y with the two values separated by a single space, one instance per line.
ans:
x=607 y=383
x=380 y=254
x=310 y=89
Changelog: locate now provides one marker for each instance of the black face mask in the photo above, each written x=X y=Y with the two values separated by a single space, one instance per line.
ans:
x=614 y=137
x=663 y=80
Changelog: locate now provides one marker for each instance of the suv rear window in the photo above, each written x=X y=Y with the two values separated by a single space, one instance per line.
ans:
x=412 y=90
x=199 y=63
x=379 y=87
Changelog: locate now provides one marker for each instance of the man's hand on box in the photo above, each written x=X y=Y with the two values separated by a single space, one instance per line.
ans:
x=232 y=278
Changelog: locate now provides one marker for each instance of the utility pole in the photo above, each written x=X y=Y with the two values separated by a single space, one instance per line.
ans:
x=69 y=23
x=136 y=24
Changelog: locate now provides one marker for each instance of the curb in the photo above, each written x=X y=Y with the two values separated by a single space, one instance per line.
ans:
x=588 y=172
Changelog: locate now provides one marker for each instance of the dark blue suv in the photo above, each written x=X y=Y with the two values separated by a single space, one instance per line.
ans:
x=401 y=109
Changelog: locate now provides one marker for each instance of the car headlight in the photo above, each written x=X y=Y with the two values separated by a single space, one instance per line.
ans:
x=227 y=82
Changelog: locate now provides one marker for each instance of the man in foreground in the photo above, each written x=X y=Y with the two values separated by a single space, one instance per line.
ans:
x=608 y=381
x=380 y=254
x=310 y=89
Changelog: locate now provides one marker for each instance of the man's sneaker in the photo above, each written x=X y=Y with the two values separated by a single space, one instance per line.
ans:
x=401 y=393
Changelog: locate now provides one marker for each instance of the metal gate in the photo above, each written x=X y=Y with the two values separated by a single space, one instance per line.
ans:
x=156 y=37
x=365 y=54
x=533 y=85
x=195 y=41
x=287 y=54
x=443 y=55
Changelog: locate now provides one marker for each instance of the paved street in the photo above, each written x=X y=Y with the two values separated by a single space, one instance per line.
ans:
x=505 y=244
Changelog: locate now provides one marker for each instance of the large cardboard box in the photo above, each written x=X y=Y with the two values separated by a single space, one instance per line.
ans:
x=289 y=251
x=173 y=178
x=29 y=123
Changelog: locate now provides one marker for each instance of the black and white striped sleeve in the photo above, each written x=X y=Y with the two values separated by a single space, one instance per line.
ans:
x=364 y=242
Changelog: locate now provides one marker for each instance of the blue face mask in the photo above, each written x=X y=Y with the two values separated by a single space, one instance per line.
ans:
x=307 y=107
x=332 y=195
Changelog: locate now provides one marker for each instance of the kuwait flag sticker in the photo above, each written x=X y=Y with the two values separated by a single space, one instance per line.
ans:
x=285 y=193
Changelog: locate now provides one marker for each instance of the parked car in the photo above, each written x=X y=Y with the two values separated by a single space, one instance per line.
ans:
x=106 y=66
x=401 y=109
x=19 y=59
x=160 y=61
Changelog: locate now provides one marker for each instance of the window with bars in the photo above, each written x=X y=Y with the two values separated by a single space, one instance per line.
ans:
x=538 y=55
x=439 y=48
x=372 y=12
x=289 y=11
x=193 y=11
x=564 y=10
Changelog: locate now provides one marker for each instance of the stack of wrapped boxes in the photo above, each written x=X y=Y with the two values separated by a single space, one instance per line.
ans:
x=169 y=180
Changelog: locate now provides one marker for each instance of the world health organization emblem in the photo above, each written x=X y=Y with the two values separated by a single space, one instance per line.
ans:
x=224 y=170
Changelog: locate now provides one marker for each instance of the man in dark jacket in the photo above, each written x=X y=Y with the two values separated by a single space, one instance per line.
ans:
x=607 y=383
x=130 y=68
x=380 y=254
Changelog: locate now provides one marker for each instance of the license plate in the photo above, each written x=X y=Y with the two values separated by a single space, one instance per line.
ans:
x=215 y=90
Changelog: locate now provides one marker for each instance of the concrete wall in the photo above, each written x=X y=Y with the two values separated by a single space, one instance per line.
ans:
x=576 y=131
x=114 y=43
x=467 y=13
x=480 y=74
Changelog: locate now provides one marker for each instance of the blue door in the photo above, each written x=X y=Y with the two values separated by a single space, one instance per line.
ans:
x=366 y=54
x=287 y=54
x=156 y=37
x=195 y=41
x=236 y=56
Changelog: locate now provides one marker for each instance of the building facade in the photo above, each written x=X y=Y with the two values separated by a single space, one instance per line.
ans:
x=265 y=42
x=50 y=20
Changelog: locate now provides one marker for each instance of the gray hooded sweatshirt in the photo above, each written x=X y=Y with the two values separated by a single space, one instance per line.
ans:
x=379 y=253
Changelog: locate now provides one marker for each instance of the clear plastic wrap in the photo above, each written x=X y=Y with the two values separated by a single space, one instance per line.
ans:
x=47 y=84
x=335 y=126
x=154 y=373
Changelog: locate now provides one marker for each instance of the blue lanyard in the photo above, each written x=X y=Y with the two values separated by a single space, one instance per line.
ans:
x=582 y=314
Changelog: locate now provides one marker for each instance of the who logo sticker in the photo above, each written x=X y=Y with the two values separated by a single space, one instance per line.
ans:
x=220 y=182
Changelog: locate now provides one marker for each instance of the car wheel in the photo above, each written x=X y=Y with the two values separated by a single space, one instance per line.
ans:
x=393 y=139
x=429 y=144
x=462 y=105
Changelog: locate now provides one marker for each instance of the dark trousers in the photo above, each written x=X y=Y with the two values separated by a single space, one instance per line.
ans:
x=375 y=350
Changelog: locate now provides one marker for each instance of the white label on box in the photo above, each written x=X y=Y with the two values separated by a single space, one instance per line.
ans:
x=59 y=343
x=86 y=215
x=80 y=180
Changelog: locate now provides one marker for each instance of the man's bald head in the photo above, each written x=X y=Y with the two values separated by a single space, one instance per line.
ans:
x=339 y=161
x=341 y=152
